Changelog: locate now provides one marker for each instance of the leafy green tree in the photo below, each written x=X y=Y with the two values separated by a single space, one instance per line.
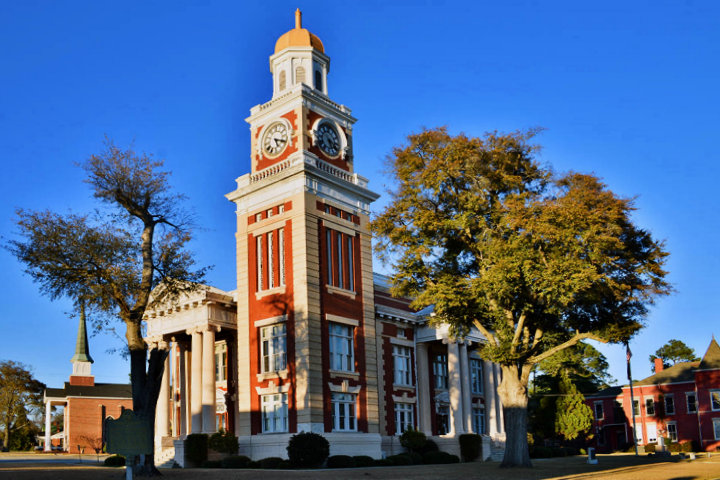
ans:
x=20 y=397
x=573 y=418
x=112 y=260
x=537 y=262
x=672 y=352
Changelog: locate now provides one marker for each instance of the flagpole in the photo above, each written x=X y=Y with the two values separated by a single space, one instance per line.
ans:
x=632 y=395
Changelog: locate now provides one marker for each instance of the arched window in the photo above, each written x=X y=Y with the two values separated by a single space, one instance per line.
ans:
x=318 y=80
x=282 y=80
x=299 y=75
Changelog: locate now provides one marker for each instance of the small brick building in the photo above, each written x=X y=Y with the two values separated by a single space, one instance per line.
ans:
x=86 y=403
x=681 y=402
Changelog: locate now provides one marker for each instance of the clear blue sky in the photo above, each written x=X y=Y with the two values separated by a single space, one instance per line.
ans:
x=627 y=90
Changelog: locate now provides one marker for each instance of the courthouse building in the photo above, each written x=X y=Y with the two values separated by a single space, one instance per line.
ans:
x=311 y=340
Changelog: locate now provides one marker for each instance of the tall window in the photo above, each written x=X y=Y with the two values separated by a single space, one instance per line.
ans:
x=669 y=405
x=343 y=412
x=691 y=402
x=476 y=376
x=274 y=413
x=716 y=428
x=270 y=259
x=221 y=362
x=318 y=80
x=442 y=416
x=478 y=419
x=715 y=400
x=401 y=356
x=672 y=431
x=340 y=257
x=273 y=346
x=300 y=75
x=341 y=348
x=282 y=81
x=404 y=418
x=599 y=413
x=636 y=407
x=649 y=406
x=440 y=371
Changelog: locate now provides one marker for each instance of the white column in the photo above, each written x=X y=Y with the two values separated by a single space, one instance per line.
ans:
x=196 y=382
x=423 y=388
x=162 y=413
x=490 y=388
x=497 y=372
x=48 y=426
x=208 y=380
x=455 y=389
x=465 y=381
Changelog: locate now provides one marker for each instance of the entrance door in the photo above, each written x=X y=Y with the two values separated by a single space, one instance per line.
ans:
x=651 y=432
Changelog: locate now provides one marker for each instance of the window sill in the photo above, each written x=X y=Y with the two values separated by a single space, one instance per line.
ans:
x=341 y=373
x=344 y=431
x=270 y=291
x=275 y=433
x=407 y=388
x=270 y=375
x=341 y=291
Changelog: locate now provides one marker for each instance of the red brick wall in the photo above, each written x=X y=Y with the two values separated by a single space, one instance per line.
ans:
x=84 y=419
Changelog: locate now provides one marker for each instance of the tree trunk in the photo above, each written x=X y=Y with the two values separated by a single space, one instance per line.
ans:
x=145 y=392
x=514 y=396
x=6 y=442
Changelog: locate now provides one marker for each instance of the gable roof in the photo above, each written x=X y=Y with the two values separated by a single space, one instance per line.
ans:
x=680 y=372
x=711 y=359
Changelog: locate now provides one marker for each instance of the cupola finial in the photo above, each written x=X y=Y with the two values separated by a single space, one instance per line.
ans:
x=298 y=18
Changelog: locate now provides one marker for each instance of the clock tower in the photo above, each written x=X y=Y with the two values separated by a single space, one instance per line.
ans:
x=307 y=353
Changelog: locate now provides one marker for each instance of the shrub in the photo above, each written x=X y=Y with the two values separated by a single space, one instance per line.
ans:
x=401 y=459
x=254 y=464
x=341 y=461
x=114 y=461
x=440 y=457
x=428 y=446
x=236 y=461
x=650 y=448
x=272 y=462
x=470 y=444
x=384 y=462
x=224 y=442
x=196 y=447
x=363 y=461
x=583 y=451
x=211 y=464
x=307 y=449
x=413 y=440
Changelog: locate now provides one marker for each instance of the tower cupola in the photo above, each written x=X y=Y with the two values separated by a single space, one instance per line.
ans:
x=299 y=58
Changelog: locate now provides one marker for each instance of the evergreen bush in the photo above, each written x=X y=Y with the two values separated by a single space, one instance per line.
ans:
x=341 y=461
x=114 y=461
x=428 y=446
x=307 y=449
x=470 y=444
x=413 y=440
x=272 y=462
x=236 y=461
x=384 y=462
x=224 y=442
x=363 y=461
x=440 y=457
x=196 y=448
x=211 y=464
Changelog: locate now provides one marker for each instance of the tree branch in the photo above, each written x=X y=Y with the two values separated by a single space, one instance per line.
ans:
x=486 y=333
x=574 y=340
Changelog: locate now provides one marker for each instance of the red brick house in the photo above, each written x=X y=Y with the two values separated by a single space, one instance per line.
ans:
x=86 y=403
x=681 y=402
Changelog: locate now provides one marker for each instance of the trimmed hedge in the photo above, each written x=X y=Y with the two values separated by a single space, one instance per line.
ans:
x=383 y=462
x=273 y=463
x=196 y=448
x=211 y=464
x=114 y=461
x=470 y=444
x=341 y=461
x=440 y=457
x=235 y=461
x=401 y=459
x=363 y=461
x=413 y=440
x=428 y=446
x=307 y=449
x=224 y=442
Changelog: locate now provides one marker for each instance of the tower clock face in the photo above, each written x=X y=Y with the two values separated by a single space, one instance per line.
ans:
x=328 y=139
x=275 y=139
